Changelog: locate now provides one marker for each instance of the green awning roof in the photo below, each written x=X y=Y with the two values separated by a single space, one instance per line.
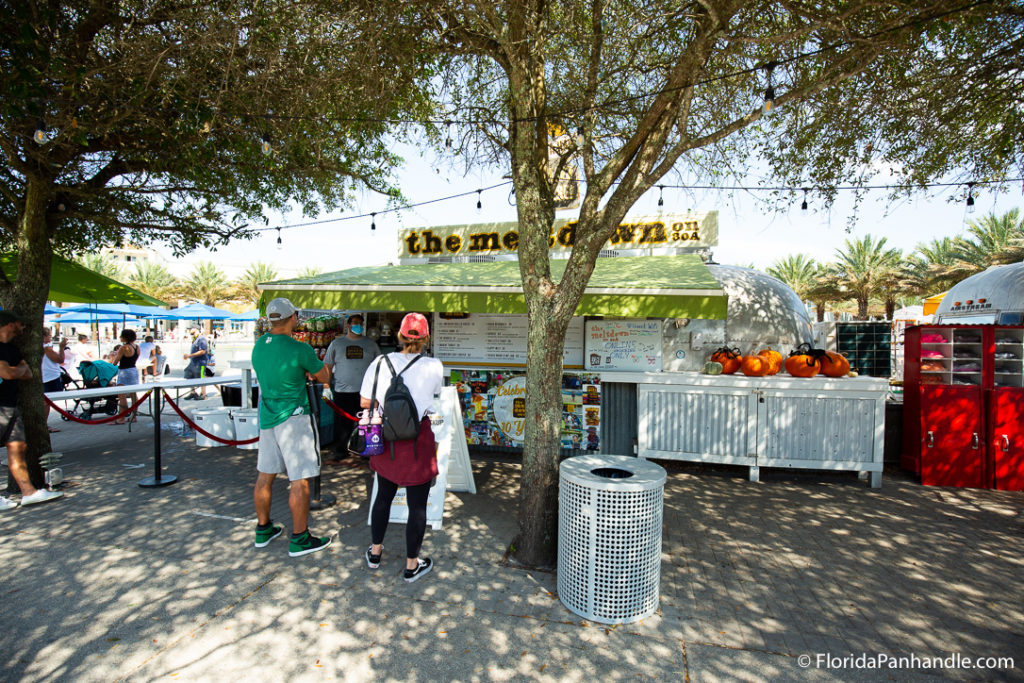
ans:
x=74 y=283
x=664 y=286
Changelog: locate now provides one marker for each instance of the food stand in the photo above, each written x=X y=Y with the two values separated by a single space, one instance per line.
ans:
x=652 y=313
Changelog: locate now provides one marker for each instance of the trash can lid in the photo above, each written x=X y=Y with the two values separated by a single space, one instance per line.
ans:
x=612 y=472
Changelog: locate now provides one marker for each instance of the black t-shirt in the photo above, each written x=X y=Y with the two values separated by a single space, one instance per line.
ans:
x=10 y=354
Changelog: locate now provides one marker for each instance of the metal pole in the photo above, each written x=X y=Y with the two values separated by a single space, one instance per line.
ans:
x=317 y=500
x=158 y=478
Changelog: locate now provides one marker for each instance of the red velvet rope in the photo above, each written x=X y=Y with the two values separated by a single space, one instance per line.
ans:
x=75 y=418
x=205 y=433
x=339 y=411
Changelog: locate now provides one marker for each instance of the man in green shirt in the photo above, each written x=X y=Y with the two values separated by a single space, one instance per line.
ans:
x=288 y=437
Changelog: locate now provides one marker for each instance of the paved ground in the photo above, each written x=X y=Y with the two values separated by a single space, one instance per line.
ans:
x=116 y=582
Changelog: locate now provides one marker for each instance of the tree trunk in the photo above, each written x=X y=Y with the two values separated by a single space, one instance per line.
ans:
x=820 y=310
x=27 y=297
x=862 y=307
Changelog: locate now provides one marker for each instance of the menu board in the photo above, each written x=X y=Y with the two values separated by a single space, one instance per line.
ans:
x=495 y=339
x=623 y=345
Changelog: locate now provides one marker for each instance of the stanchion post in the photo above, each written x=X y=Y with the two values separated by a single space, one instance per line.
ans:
x=158 y=478
x=317 y=500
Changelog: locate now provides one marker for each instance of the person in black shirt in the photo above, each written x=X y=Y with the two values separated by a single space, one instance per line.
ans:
x=14 y=369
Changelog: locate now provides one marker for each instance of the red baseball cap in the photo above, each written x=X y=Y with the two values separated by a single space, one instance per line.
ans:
x=414 y=326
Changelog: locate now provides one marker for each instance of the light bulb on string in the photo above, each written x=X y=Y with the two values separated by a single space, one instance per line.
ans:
x=373 y=222
x=803 y=206
x=769 y=92
x=448 y=133
x=661 y=196
x=479 y=204
x=265 y=144
x=280 y=244
x=970 y=197
x=39 y=135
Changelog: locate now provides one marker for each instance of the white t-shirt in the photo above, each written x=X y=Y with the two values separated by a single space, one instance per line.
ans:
x=51 y=369
x=424 y=379
x=145 y=349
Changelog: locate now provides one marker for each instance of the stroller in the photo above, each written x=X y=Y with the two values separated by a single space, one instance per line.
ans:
x=95 y=374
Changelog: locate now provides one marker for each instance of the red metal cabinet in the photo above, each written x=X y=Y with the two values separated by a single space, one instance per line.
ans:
x=963 y=405
x=952 y=442
x=1006 y=438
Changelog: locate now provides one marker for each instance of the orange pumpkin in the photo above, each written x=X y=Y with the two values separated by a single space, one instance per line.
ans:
x=804 y=361
x=755 y=366
x=729 y=358
x=774 y=360
x=834 y=365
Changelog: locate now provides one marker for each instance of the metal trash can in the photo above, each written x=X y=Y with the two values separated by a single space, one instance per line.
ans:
x=609 y=537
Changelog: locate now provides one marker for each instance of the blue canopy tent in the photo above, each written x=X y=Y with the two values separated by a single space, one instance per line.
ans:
x=91 y=317
x=122 y=309
x=247 y=316
x=198 y=312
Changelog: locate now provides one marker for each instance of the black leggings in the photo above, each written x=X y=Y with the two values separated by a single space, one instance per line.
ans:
x=416 y=497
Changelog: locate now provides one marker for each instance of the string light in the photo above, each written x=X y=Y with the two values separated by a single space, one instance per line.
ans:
x=661 y=195
x=265 y=144
x=373 y=221
x=479 y=204
x=970 y=197
x=40 y=133
x=448 y=133
x=769 y=92
x=803 y=206
x=280 y=244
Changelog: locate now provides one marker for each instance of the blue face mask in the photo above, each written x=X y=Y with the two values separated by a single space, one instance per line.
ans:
x=356 y=329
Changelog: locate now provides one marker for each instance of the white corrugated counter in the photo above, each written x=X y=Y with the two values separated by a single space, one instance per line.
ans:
x=776 y=421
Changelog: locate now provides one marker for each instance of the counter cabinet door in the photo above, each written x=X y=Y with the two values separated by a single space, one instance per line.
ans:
x=697 y=424
x=1006 y=443
x=952 y=445
x=811 y=429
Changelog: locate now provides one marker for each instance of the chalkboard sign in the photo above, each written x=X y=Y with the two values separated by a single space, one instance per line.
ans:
x=622 y=345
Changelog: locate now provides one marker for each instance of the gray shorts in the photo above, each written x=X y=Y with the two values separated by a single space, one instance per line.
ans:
x=292 y=446
x=12 y=428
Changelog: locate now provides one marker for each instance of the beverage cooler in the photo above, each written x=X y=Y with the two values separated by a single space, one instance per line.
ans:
x=963 y=405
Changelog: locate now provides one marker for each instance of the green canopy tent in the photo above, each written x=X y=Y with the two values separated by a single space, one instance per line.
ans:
x=71 y=282
x=662 y=286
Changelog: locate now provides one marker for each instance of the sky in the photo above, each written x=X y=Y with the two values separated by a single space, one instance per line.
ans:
x=749 y=234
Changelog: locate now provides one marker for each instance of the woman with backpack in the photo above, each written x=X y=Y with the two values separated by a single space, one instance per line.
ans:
x=405 y=462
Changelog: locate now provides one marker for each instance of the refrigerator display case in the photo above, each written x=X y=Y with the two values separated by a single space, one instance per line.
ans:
x=963 y=392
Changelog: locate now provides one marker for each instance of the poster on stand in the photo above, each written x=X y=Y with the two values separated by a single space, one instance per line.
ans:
x=494 y=408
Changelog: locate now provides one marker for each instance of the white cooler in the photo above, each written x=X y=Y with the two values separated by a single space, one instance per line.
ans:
x=247 y=426
x=216 y=421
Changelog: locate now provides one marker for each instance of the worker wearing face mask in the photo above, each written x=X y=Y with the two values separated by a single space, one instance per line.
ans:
x=347 y=357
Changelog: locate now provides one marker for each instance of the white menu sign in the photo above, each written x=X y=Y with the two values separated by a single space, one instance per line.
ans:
x=495 y=339
x=623 y=345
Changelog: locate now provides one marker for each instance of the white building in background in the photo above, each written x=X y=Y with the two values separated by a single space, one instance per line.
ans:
x=129 y=255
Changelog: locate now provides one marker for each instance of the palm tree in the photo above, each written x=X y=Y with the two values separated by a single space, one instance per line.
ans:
x=245 y=287
x=936 y=266
x=104 y=264
x=997 y=240
x=152 y=279
x=207 y=284
x=799 y=272
x=827 y=289
x=862 y=266
x=310 y=271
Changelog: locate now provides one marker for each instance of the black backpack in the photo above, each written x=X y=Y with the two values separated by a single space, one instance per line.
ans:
x=400 y=418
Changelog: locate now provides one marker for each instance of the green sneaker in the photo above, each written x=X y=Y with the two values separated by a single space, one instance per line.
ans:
x=265 y=536
x=305 y=543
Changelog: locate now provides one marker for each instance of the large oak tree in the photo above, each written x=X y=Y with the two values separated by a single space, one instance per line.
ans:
x=649 y=88
x=181 y=121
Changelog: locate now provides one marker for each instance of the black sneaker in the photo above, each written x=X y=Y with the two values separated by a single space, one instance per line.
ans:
x=423 y=566
x=265 y=536
x=373 y=561
x=305 y=543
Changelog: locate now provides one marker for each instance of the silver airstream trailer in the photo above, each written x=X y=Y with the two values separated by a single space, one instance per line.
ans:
x=992 y=296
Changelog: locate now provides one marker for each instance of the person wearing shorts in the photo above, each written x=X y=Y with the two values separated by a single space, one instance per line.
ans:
x=289 y=443
x=13 y=370
x=51 y=371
